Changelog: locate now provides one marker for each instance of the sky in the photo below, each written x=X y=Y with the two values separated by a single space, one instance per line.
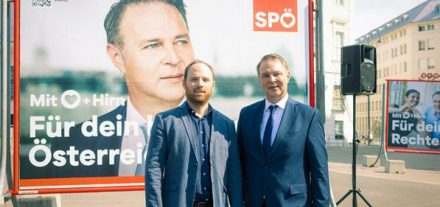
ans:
x=370 y=14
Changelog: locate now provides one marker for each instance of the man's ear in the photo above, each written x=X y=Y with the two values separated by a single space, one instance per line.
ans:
x=288 y=76
x=115 y=54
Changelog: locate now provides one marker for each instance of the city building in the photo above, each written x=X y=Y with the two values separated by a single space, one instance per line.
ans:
x=407 y=48
x=336 y=34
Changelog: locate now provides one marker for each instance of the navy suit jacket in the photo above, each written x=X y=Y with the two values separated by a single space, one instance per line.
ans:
x=172 y=164
x=295 y=173
x=81 y=143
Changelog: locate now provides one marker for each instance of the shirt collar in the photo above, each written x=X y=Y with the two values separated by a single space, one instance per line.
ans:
x=434 y=114
x=282 y=103
x=133 y=114
x=192 y=112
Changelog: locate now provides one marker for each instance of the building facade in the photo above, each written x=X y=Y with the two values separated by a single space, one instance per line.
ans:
x=407 y=48
x=336 y=34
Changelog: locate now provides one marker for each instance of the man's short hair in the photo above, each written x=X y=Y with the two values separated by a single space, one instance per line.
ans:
x=189 y=67
x=435 y=93
x=272 y=56
x=113 y=19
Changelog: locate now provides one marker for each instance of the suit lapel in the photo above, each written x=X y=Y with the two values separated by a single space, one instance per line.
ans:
x=214 y=124
x=256 y=118
x=111 y=142
x=189 y=132
x=285 y=124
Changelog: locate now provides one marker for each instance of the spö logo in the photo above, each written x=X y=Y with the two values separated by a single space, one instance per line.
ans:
x=275 y=15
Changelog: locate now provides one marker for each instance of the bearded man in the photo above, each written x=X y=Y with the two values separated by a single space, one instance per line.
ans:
x=193 y=157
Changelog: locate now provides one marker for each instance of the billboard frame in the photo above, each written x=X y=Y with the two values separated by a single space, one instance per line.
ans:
x=134 y=181
x=402 y=149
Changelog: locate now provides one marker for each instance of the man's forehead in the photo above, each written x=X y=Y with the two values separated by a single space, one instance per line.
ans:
x=272 y=63
x=200 y=69
x=152 y=20
x=150 y=8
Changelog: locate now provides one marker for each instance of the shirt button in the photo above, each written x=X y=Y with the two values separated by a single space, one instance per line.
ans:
x=204 y=188
x=204 y=173
x=203 y=160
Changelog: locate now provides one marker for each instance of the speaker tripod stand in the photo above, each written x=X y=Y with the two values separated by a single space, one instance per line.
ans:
x=354 y=190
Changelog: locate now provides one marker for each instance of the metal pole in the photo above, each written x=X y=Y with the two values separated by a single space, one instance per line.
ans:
x=320 y=86
x=353 y=166
x=383 y=123
x=5 y=159
x=4 y=90
x=368 y=124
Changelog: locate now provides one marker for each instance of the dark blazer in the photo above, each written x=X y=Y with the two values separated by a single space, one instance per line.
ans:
x=295 y=173
x=81 y=143
x=172 y=164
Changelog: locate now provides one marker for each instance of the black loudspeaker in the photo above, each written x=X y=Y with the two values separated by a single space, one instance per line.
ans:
x=358 y=70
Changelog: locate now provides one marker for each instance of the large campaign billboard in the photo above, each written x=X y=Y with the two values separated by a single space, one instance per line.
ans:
x=413 y=116
x=93 y=74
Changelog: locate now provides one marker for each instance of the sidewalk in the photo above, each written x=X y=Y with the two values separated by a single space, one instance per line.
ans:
x=410 y=175
x=414 y=188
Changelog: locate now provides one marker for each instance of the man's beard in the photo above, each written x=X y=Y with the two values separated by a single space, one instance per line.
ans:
x=198 y=100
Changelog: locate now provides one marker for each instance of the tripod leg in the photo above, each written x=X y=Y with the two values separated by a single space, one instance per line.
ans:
x=363 y=198
x=344 y=197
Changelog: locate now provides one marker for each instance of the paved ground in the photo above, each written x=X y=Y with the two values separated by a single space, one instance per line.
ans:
x=412 y=161
x=414 y=188
x=418 y=187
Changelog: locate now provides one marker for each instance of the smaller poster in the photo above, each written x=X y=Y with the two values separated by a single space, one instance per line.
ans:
x=413 y=116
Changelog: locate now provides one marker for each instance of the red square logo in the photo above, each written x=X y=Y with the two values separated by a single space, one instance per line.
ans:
x=276 y=15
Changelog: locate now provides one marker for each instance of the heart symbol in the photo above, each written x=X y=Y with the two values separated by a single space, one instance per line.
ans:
x=288 y=19
x=70 y=99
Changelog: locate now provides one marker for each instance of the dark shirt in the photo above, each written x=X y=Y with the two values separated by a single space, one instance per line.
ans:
x=201 y=128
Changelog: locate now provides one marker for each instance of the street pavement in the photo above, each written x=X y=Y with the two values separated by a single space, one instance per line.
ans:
x=419 y=186
x=412 y=160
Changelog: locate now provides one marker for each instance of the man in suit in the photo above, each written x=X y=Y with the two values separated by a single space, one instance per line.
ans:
x=282 y=146
x=148 y=41
x=193 y=157
x=432 y=118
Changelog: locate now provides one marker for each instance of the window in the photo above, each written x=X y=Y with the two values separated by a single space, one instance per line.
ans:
x=422 y=64
x=340 y=2
x=405 y=67
x=339 y=130
x=430 y=27
x=430 y=45
x=422 y=45
x=338 y=102
x=431 y=63
x=339 y=43
x=421 y=28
